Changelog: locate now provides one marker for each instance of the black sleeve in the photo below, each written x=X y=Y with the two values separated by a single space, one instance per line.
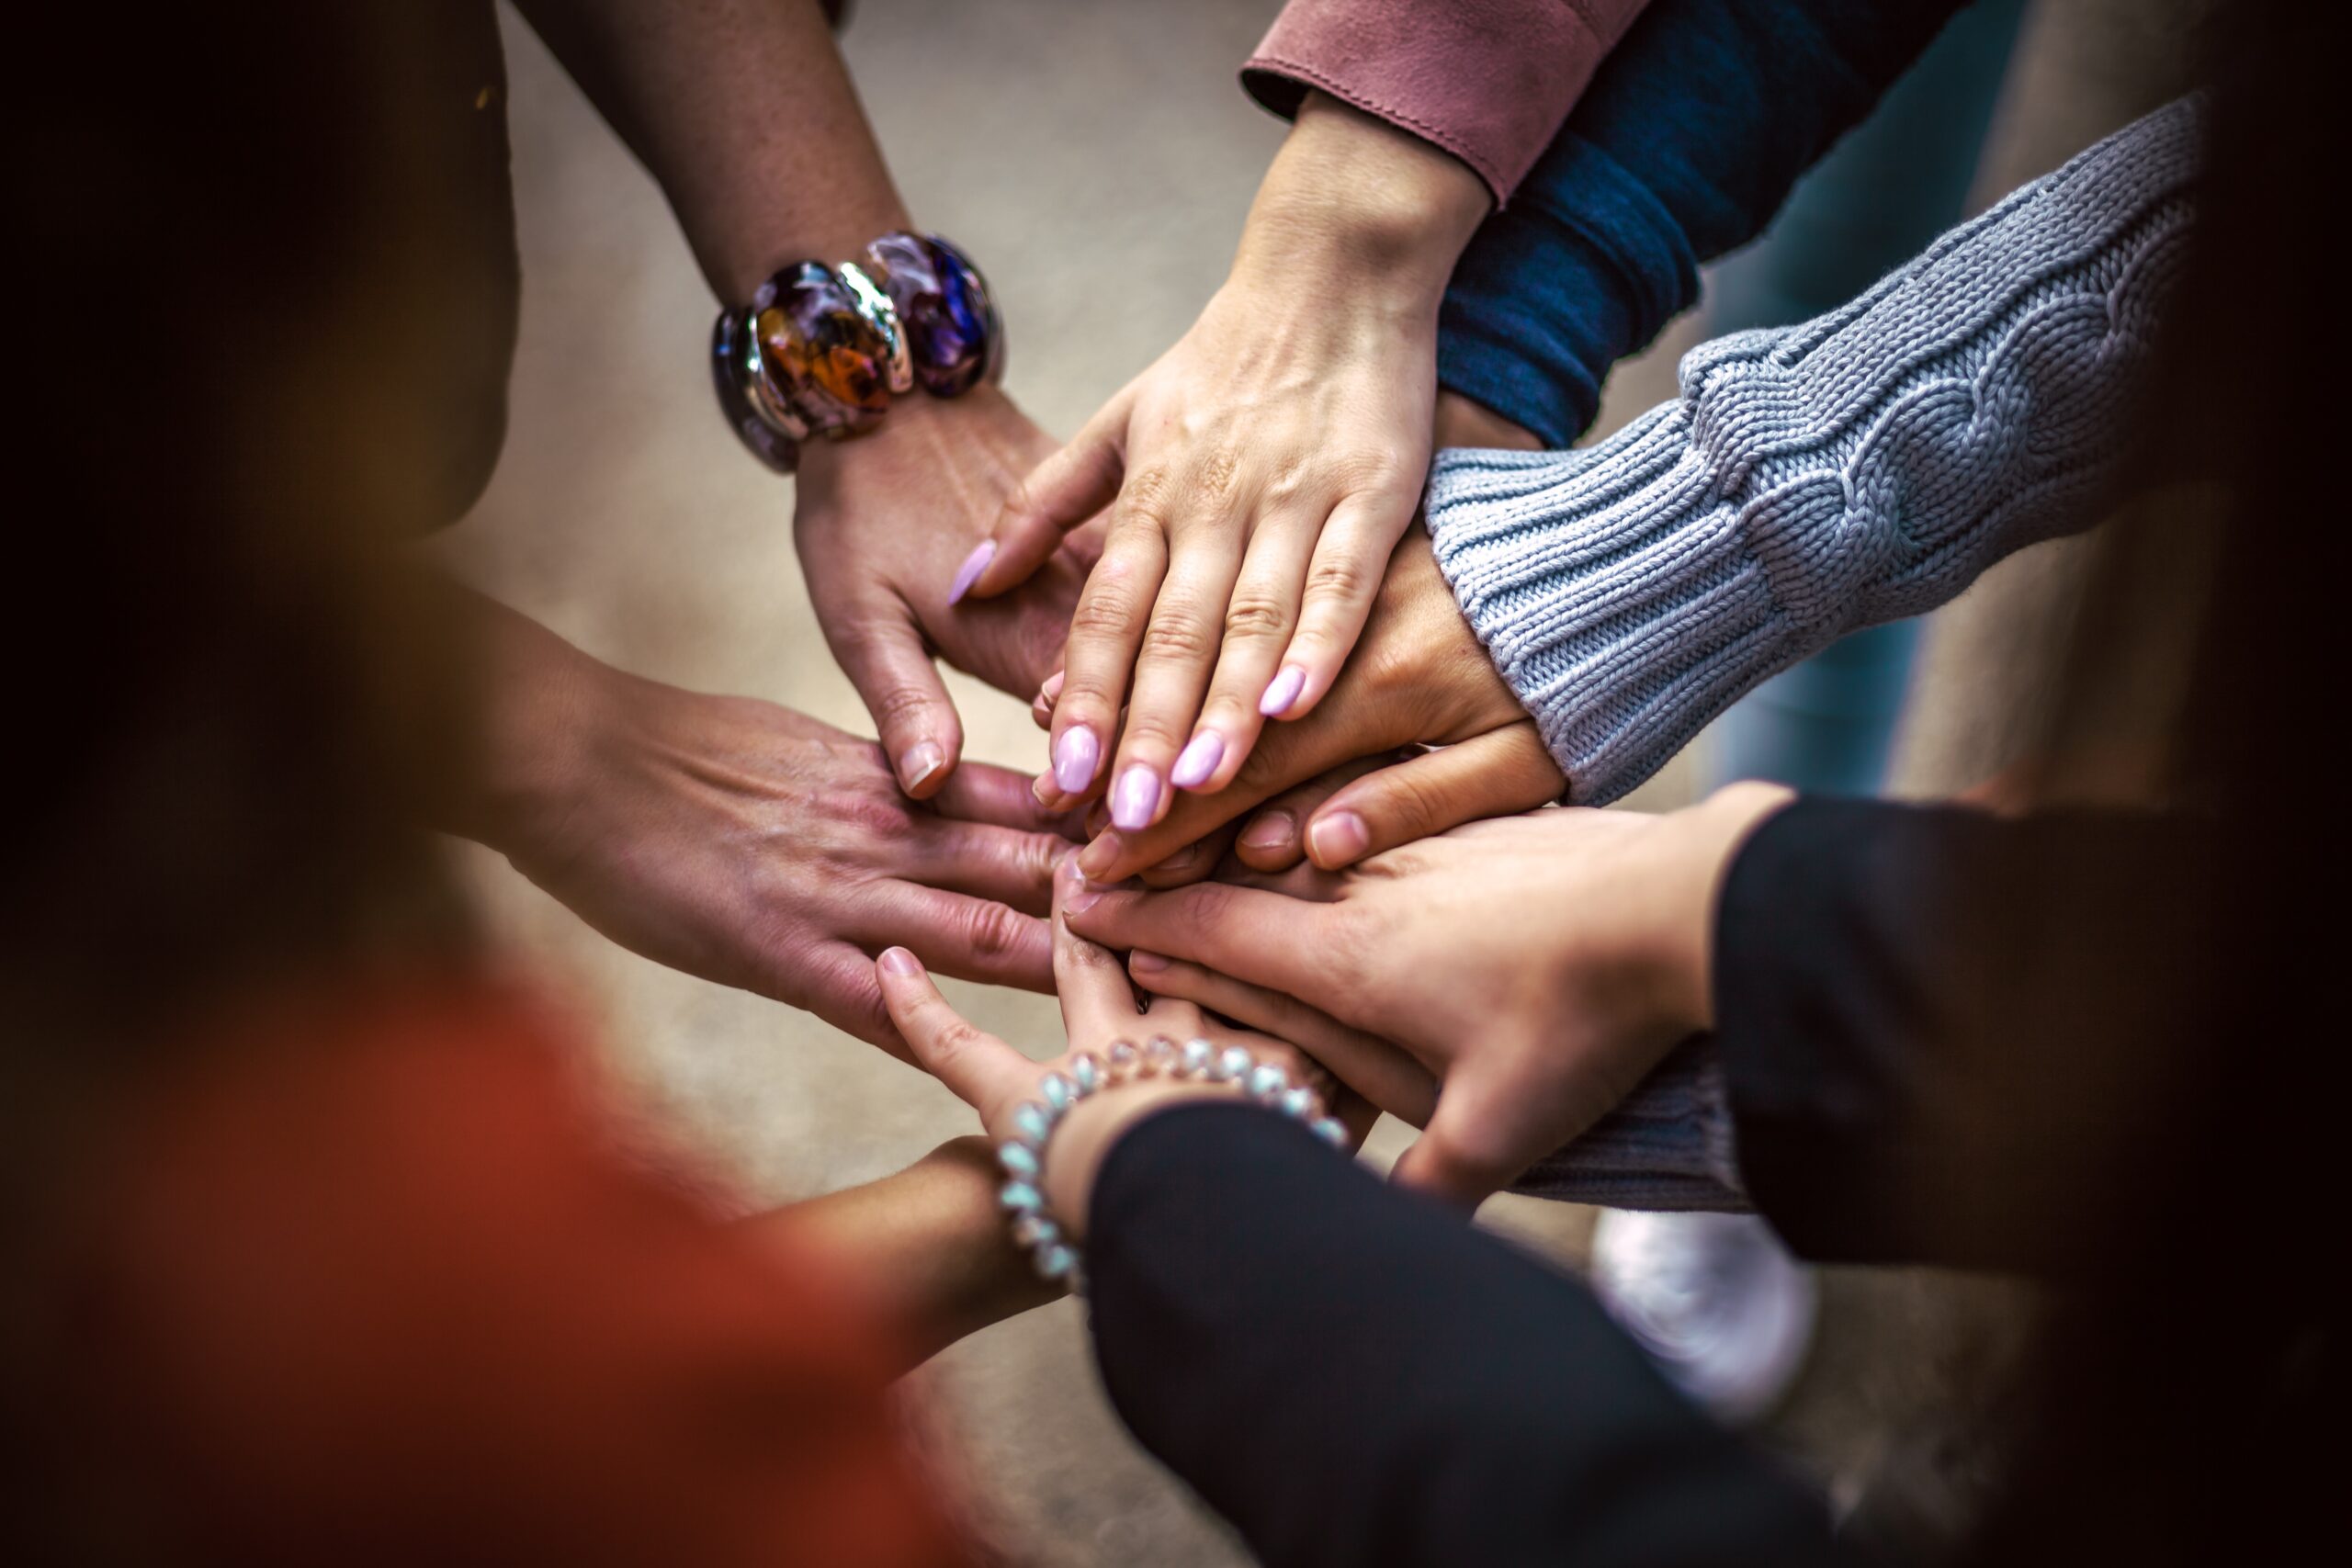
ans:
x=1356 y=1376
x=1925 y=1018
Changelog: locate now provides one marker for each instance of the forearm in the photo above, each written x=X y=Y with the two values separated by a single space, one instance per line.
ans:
x=744 y=114
x=1860 y=467
x=1687 y=143
x=926 y=1249
x=1298 y=1339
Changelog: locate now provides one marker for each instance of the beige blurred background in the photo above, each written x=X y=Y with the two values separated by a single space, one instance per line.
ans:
x=1098 y=159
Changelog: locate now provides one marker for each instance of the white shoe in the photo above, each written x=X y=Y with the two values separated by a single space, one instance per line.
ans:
x=1715 y=1299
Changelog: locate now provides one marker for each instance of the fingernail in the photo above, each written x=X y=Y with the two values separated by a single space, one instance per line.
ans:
x=920 y=763
x=899 y=961
x=1199 y=759
x=1046 y=789
x=1179 y=860
x=1098 y=856
x=1051 y=692
x=1075 y=753
x=1136 y=798
x=1337 y=840
x=969 y=572
x=1283 y=690
x=1077 y=894
x=1272 y=831
x=1141 y=962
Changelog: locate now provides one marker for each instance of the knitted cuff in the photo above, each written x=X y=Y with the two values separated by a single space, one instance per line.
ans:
x=1862 y=466
x=1670 y=1146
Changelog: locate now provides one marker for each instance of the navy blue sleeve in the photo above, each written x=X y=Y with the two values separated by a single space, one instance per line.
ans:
x=1684 y=147
x=1357 y=1377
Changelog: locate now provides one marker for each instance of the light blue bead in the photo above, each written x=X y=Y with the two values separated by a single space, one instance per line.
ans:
x=1035 y=1230
x=1195 y=1059
x=1087 y=1073
x=1330 y=1132
x=1056 y=1262
x=1032 y=1120
x=1058 y=1091
x=1020 y=1198
x=1233 y=1065
x=1020 y=1161
x=1299 y=1103
x=1267 y=1081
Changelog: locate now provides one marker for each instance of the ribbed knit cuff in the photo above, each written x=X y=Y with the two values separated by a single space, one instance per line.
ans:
x=1670 y=1146
x=1859 y=468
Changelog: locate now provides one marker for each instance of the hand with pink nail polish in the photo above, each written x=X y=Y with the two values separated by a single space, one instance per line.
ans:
x=1260 y=475
x=1419 y=680
x=892 y=530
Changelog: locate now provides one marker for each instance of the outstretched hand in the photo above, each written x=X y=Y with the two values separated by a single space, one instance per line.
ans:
x=1419 y=677
x=882 y=523
x=1535 y=969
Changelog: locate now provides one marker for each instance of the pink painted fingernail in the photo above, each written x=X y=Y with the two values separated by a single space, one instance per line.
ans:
x=969 y=572
x=1136 y=798
x=1075 y=753
x=899 y=961
x=1338 y=839
x=1283 y=690
x=1199 y=759
x=1272 y=831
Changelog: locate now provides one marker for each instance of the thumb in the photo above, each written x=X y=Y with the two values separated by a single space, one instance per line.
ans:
x=1462 y=1155
x=1495 y=774
x=1061 y=493
x=886 y=661
x=980 y=1070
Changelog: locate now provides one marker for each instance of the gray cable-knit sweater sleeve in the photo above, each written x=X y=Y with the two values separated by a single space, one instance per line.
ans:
x=1859 y=468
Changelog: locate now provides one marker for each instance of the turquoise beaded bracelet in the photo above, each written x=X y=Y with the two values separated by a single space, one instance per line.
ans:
x=1023 y=1158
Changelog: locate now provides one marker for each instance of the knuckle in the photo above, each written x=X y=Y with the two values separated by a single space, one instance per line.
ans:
x=1106 y=613
x=1340 y=575
x=1147 y=502
x=1178 y=635
x=994 y=930
x=1255 y=616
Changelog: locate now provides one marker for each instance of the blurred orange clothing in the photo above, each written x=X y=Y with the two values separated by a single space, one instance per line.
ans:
x=385 y=1280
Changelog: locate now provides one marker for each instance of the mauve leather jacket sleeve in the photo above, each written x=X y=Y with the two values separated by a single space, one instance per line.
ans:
x=1491 y=81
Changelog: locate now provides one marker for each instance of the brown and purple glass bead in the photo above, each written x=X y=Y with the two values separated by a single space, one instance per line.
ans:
x=820 y=356
x=734 y=371
x=953 y=331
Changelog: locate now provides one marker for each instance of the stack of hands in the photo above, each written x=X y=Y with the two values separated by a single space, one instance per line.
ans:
x=1268 y=726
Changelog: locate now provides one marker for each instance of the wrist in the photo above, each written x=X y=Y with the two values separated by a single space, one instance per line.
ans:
x=1712 y=832
x=542 y=703
x=1351 y=200
x=1464 y=422
x=1092 y=1128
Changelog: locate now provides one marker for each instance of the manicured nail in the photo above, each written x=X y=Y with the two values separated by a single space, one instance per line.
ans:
x=1199 y=759
x=1142 y=962
x=1272 y=831
x=1136 y=798
x=1336 y=840
x=969 y=572
x=1283 y=690
x=920 y=763
x=899 y=961
x=1075 y=753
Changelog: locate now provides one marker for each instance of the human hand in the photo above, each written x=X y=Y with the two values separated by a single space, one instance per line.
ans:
x=881 y=522
x=749 y=844
x=1098 y=1009
x=1538 y=968
x=1262 y=470
x=1419 y=677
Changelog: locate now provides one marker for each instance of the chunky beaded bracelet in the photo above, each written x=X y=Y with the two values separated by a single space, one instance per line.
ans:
x=821 y=350
x=1054 y=1255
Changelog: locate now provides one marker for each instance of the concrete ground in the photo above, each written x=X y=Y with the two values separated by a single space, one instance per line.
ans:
x=1098 y=159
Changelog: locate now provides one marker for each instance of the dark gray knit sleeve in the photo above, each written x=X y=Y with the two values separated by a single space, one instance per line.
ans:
x=1859 y=468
